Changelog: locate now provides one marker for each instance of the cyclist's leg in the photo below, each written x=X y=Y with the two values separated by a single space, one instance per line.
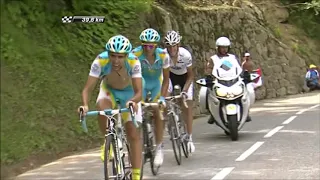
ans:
x=189 y=118
x=170 y=88
x=188 y=111
x=159 y=127
x=135 y=142
x=133 y=133
x=105 y=100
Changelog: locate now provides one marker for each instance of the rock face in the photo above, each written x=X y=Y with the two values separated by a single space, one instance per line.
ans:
x=246 y=26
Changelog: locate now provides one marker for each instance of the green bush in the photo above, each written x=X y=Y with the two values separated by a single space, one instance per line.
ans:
x=305 y=14
x=44 y=64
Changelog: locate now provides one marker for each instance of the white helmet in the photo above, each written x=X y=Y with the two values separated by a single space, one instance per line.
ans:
x=223 y=41
x=172 y=38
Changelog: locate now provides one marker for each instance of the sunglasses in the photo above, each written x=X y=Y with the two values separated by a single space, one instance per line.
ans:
x=170 y=44
x=149 y=45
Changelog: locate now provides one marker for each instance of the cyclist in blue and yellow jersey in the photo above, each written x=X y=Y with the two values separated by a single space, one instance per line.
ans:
x=155 y=71
x=121 y=78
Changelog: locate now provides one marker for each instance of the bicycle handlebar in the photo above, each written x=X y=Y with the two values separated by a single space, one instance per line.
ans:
x=144 y=104
x=182 y=95
x=106 y=112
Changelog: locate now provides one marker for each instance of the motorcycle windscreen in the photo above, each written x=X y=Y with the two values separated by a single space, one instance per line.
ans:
x=228 y=83
x=227 y=70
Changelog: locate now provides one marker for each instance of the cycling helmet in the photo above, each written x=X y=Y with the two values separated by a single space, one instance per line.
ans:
x=172 y=38
x=119 y=44
x=223 y=41
x=149 y=35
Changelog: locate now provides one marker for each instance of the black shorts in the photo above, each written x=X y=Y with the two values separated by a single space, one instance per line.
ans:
x=178 y=79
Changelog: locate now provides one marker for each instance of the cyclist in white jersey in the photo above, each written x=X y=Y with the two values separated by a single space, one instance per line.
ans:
x=181 y=74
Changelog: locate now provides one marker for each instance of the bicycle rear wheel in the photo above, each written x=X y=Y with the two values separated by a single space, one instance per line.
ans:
x=150 y=147
x=175 y=138
x=110 y=162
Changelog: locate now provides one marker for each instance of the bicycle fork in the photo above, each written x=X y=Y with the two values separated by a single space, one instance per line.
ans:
x=176 y=123
x=117 y=154
x=147 y=135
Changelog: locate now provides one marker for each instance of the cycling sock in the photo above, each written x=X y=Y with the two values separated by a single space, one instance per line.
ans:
x=136 y=174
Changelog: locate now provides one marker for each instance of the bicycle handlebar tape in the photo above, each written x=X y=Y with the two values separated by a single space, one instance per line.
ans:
x=83 y=120
x=133 y=117
x=84 y=125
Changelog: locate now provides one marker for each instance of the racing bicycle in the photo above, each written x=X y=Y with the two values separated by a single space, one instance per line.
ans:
x=149 y=146
x=117 y=165
x=175 y=124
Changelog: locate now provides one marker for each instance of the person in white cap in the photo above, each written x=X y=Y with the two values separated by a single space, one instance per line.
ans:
x=247 y=64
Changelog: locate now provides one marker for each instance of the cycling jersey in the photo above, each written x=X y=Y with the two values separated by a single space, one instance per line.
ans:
x=178 y=71
x=183 y=62
x=152 y=74
x=101 y=68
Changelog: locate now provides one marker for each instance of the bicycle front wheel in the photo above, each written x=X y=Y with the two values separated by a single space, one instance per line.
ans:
x=111 y=165
x=184 y=143
x=175 y=138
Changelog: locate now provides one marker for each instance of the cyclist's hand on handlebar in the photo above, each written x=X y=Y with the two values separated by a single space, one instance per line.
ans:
x=83 y=109
x=134 y=105
x=184 y=98
x=184 y=94
x=162 y=101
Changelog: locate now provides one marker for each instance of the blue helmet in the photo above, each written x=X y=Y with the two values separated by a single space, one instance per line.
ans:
x=149 y=35
x=119 y=44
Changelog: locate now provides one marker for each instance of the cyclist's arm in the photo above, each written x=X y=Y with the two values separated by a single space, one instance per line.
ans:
x=137 y=82
x=190 y=75
x=92 y=80
x=166 y=76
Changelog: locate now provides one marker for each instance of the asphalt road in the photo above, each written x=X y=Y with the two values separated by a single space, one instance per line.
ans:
x=282 y=142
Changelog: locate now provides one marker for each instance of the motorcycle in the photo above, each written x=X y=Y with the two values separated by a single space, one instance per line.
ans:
x=228 y=99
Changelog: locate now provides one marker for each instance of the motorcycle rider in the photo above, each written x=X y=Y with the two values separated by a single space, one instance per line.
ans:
x=222 y=45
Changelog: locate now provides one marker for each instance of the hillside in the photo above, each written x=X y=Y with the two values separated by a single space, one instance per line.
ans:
x=44 y=63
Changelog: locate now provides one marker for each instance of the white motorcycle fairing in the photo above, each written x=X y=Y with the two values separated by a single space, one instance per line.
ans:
x=220 y=92
x=228 y=99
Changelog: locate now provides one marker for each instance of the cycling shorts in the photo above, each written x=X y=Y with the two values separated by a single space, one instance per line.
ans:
x=181 y=81
x=154 y=87
x=123 y=96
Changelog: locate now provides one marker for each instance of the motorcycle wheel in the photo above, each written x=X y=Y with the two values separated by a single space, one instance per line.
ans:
x=233 y=127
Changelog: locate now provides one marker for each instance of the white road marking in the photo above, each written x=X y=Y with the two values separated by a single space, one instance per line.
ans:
x=273 y=131
x=289 y=120
x=314 y=106
x=304 y=110
x=248 y=152
x=223 y=173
